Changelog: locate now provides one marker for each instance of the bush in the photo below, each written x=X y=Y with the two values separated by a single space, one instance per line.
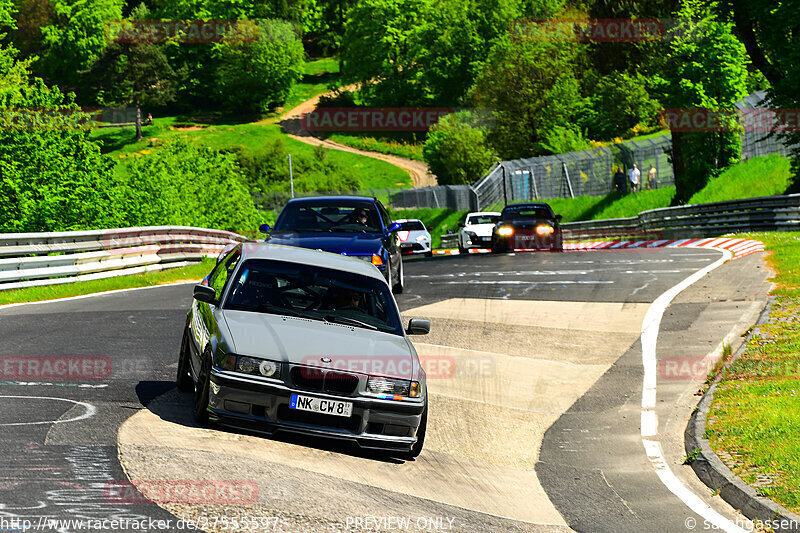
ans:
x=52 y=178
x=457 y=151
x=183 y=185
x=256 y=76
x=622 y=102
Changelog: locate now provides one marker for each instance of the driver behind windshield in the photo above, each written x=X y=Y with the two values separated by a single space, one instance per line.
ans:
x=359 y=216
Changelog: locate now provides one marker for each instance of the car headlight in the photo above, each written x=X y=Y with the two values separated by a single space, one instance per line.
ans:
x=388 y=386
x=375 y=259
x=422 y=238
x=544 y=229
x=254 y=366
x=505 y=231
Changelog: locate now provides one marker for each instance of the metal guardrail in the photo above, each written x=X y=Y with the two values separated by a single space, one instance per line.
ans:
x=769 y=213
x=35 y=259
x=449 y=240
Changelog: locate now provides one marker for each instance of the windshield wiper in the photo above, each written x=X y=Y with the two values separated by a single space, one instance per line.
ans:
x=275 y=310
x=348 y=321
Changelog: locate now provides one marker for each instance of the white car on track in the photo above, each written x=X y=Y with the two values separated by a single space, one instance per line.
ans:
x=476 y=230
x=414 y=237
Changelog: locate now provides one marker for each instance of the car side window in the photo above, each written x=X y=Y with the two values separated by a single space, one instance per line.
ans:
x=222 y=272
x=386 y=219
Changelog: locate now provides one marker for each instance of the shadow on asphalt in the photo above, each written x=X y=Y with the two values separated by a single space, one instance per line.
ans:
x=176 y=407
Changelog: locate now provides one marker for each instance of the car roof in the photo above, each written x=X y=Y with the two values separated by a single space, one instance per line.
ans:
x=483 y=213
x=305 y=256
x=408 y=220
x=526 y=205
x=331 y=199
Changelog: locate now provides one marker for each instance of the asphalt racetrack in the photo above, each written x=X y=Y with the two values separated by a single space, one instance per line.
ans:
x=535 y=373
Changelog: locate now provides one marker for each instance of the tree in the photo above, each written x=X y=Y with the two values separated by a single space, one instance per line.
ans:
x=381 y=51
x=621 y=101
x=457 y=151
x=77 y=39
x=134 y=74
x=768 y=30
x=531 y=86
x=257 y=76
x=51 y=176
x=706 y=69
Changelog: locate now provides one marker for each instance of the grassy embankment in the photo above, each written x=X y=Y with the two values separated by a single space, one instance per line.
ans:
x=755 y=416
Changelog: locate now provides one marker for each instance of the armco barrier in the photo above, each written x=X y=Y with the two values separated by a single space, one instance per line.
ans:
x=34 y=259
x=769 y=213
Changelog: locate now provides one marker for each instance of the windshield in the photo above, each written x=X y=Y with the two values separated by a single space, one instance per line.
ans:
x=326 y=217
x=412 y=225
x=527 y=213
x=276 y=287
x=483 y=219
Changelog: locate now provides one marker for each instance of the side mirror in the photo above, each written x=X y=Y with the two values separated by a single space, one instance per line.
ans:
x=461 y=225
x=394 y=226
x=558 y=217
x=264 y=228
x=429 y=228
x=204 y=293
x=418 y=326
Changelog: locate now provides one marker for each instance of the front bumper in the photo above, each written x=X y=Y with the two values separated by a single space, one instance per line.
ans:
x=520 y=241
x=478 y=241
x=415 y=247
x=256 y=406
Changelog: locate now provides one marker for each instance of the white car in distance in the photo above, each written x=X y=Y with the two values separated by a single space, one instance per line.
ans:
x=414 y=237
x=476 y=230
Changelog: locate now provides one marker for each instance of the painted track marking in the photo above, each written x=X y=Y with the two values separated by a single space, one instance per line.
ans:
x=649 y=422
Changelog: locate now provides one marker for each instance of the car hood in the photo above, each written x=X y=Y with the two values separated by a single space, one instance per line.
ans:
x=411 y=236
x=337 y=243
x=484 y=230
x=304 y=341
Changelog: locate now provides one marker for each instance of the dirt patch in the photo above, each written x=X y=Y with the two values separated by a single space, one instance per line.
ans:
x=187 y=127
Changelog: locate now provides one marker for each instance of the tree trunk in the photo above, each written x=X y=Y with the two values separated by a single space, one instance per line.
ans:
x=679 y=168
x=138 y=121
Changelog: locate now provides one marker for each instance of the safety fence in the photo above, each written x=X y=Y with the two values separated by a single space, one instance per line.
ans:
x=35 y=259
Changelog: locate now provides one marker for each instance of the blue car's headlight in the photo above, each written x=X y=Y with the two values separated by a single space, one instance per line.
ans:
x=375 y=259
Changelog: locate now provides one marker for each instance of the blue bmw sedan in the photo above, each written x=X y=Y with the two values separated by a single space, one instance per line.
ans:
x=354 y=226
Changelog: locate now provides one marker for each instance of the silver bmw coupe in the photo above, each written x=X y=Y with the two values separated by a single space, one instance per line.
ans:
x=287 y=339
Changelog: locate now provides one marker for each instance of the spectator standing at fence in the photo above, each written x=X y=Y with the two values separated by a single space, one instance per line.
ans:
x=619 y=181
x=651 y=178
x=633 y=177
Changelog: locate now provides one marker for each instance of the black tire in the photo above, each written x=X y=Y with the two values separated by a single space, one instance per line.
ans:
x=429 y=254
x=416 y=449
x=201 y=390
x=184 y=379
x=461 y=249
x=398 y=287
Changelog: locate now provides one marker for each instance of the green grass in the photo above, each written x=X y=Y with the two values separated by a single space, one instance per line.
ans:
x=755 y=415
x=385 y=145
x=149 y=279
x=119 y=143
x=761 y=176
x=648 y=135
x=318 y=77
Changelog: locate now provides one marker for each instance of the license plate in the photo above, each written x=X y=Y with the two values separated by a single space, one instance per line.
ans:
x=406 y=245
x=318 y=405
x=526 y=241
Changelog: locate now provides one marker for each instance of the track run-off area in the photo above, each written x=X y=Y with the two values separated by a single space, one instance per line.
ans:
x=560 y=386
